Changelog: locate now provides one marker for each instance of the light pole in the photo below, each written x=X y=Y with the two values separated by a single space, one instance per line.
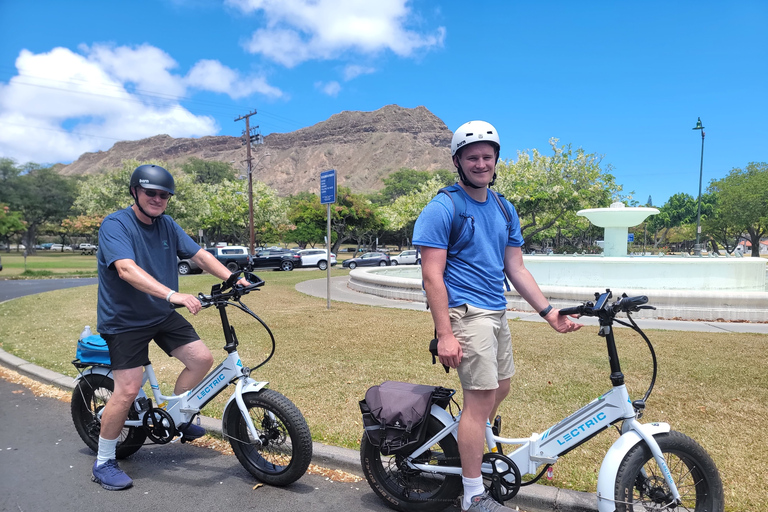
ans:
x=697 y=247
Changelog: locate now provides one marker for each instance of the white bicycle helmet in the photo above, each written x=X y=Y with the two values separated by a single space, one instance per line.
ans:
x=474 y=131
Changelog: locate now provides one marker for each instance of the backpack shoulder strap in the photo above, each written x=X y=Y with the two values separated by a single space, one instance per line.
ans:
x=507 y=215
x=459 y=212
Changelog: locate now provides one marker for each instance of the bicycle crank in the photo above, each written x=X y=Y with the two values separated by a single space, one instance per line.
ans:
x=159 y=426
x=504 y=481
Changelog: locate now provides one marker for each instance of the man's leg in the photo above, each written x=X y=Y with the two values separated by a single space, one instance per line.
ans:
x=477 y=407
x=105 y=470
x=197 y=361
x=501 y=393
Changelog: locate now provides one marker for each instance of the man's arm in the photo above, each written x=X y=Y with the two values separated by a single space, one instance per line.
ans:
x=137 y=277
x=432 y=267
x=526 y=286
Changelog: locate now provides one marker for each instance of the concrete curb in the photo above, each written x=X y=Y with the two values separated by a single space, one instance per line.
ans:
x=534 y=498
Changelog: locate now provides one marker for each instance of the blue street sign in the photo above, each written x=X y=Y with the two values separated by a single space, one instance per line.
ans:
x=630 y=237
x=328 y=186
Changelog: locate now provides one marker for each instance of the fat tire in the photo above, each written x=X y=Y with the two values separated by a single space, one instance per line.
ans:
x=413 y=491
x=695 y=474
x=91 y=394
x=290 y=439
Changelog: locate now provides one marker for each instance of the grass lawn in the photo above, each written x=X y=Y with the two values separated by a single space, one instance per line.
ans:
x=711 y=386
x=47 y=264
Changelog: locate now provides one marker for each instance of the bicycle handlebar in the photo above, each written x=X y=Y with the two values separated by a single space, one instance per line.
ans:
x=219 y=293
x=623 y=305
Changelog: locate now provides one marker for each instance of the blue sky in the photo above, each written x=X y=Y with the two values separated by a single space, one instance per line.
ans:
x=626 y=80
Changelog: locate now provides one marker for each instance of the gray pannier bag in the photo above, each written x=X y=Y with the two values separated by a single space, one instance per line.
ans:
x=395 y=413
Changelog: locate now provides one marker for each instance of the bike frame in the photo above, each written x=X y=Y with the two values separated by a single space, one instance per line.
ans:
x=183 y=408
x=576 y=429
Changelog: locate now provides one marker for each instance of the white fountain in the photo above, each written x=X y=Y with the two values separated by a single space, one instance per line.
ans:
x=684 y=287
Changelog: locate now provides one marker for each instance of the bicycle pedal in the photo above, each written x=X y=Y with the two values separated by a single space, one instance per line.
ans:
x=496 y=428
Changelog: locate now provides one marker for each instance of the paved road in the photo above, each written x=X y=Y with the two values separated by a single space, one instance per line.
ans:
x=11 y=289
x=46 y=466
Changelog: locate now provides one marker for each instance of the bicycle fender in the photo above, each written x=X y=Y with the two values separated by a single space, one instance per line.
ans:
x=444 y=417
x=606 y=479
x=95 y=370
x=250 y=386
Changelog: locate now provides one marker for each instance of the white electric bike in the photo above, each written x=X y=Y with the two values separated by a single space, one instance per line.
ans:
x=266 y=430
x=650 y=466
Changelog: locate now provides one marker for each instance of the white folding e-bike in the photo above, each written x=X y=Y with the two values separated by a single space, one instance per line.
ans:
x=650 y=466
x=266 y=430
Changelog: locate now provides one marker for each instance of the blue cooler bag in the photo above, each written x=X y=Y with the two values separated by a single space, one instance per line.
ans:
x=93 y=349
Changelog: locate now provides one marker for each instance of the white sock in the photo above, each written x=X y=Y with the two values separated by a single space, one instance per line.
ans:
x=106 y=450
x=472 y=487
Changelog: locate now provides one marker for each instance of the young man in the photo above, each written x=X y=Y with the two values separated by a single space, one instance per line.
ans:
x=465 y=292
x=138 y=279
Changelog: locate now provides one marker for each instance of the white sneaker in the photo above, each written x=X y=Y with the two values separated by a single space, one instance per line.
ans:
x=484 y=503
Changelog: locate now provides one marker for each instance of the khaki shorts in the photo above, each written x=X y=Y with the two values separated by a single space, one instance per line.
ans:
x=487 y=346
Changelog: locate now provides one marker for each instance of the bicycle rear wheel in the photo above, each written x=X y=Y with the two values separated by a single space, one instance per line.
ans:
x=90 y=396
x=283 y=450
x=640 y=483
x=410 y=490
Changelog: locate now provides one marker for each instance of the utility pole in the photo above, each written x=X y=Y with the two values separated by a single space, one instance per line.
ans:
x=248 y=140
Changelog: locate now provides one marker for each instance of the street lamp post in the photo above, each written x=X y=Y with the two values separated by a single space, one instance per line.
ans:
x=697 y=247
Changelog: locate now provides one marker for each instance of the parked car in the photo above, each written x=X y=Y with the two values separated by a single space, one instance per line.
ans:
x=60 y=248
x=46 y=246
x=87 y=248
x=284 y=259
x=316 y=258
x=369 y=259
x=409 y=257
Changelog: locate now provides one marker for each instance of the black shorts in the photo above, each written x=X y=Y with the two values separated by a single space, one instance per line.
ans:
x=131 y=349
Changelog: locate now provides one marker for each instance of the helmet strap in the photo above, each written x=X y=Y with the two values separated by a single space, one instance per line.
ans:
x=468 y=183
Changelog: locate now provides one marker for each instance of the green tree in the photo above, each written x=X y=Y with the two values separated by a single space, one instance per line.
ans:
x=41 y=196
x=11 y=224
x=742 y=202
x=208 y=171
x=309 y=218
x=548 y=190
x=406 y=181
x=352 y=216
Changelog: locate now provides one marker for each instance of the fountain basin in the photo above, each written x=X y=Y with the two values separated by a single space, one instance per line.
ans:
x=730 y=289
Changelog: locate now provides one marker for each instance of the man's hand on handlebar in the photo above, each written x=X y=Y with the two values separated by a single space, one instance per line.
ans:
x=560 y=323
x=188 y=301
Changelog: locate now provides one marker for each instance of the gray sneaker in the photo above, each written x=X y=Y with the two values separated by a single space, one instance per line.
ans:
x=484 y=503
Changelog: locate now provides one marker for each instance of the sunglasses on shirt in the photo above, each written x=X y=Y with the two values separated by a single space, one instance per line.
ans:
x=153 y=193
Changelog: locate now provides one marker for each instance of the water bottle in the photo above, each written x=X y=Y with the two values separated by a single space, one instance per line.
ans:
x=86 y=332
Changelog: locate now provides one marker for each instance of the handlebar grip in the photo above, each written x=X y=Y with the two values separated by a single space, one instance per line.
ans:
x=575 y=310
x=631 y=303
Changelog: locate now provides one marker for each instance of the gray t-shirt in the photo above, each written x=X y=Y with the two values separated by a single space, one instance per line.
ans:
x=154 y=248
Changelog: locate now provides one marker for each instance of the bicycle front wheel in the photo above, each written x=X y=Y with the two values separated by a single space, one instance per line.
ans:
x=410 y=490
x=89 y=397
x=282 y=451
x=640 y=483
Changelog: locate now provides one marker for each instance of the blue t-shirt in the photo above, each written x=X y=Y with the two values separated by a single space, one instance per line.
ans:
x=474 y=276
x=154 y=248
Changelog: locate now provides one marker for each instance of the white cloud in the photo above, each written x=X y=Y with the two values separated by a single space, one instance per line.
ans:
x=353 y=71
x=211 y=75
x=300 y=30
x=330 y=88
x=62 y=103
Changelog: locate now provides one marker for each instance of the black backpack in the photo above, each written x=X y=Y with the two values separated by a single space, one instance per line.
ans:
x=395 y=413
